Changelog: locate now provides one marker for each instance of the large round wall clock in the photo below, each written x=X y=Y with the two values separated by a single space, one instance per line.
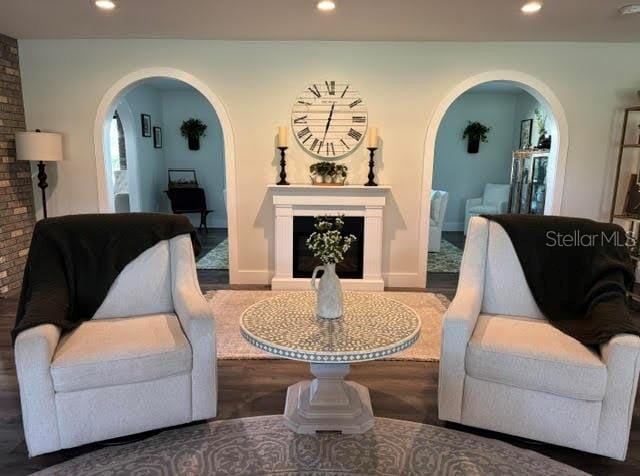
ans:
x=329 y=119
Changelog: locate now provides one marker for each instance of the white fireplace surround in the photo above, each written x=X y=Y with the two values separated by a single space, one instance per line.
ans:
x=309 y=200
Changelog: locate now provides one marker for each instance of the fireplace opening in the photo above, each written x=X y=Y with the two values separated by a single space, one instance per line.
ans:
x=304 y=261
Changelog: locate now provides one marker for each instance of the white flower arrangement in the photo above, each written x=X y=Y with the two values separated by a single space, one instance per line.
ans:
x=327 y=243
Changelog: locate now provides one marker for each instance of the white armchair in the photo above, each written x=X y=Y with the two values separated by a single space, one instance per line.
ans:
x=505 y=368
x=439 y=199
x=494 y=200
x=146 y=360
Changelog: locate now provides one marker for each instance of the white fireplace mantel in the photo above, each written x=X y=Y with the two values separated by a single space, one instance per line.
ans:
x=310 y=200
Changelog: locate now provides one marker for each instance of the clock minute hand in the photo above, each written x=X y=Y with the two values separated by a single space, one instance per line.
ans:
x=326 y=129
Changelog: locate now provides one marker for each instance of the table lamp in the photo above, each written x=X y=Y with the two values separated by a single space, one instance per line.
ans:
x=40 y=147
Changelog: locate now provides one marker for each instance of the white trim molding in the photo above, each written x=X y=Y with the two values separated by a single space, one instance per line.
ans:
x=309 y=200
x=556 y=170
x=105 y=111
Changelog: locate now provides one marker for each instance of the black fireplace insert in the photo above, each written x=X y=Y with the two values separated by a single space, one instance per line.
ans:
x=304 y=261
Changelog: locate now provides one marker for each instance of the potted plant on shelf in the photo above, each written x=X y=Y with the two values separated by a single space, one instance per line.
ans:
x=327 y=172
x=329 y=245
x=341 y=174
x=475 y=132
x=193 y=129
x=544 y=141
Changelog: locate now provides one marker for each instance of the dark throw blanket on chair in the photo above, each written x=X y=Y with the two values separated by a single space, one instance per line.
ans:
x=73 y=261
x=578 y=271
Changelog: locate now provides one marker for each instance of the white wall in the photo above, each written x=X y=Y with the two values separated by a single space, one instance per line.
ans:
x=64 y=81
x=208 y=162
x=464 y=175
x=150 y=162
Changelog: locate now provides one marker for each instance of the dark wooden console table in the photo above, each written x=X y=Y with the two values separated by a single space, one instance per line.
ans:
x=190 y=200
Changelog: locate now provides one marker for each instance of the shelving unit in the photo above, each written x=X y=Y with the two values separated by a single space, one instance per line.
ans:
x=618 y=212
x=621 y=155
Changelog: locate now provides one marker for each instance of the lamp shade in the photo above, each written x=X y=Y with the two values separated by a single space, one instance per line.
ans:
x=39 y=146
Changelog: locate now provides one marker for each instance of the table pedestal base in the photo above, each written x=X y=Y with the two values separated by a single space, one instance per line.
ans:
x=328 y=403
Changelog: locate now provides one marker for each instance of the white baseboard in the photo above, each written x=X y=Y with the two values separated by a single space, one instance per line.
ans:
x=217 y=223
x=347 y=284
x=453 y=226
x=403 y=280
x=244 y=276
x=392 y=280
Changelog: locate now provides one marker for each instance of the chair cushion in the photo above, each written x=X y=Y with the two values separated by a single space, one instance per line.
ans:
x=142 y=287
x=495 y=193
x=106 y=352
x=480 y=209
x=505 y=288
x=532 y=354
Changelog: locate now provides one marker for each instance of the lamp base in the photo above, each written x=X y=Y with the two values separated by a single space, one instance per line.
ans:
x=42 y=185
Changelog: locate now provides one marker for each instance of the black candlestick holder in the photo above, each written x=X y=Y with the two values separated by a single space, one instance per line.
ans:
x=283 y=165
x=371 y=176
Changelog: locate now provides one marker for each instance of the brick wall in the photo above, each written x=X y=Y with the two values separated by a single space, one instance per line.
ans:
x=16 y=196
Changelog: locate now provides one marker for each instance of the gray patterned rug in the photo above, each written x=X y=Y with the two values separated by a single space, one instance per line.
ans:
x=264 y=446
x=216 y=258
x=447 y=260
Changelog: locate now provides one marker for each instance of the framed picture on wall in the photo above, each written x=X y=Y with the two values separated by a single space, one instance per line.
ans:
x=145 y=121
x=526 y=129
x=157 y=137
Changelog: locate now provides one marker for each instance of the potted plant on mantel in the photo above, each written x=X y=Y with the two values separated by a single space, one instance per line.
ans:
x=193 y=129
x=329 y=245
x=475 y=132
x=328 y=173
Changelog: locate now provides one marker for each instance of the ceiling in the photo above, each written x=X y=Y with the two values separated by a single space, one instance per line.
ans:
x=167 y=84
x=498 y=87
x=439 y=20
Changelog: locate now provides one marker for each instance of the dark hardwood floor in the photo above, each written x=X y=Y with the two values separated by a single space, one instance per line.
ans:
x=402 y=390
x=210 y=278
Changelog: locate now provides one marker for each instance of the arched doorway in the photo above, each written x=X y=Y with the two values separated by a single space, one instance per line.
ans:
x=558 y=153
x=104 y=115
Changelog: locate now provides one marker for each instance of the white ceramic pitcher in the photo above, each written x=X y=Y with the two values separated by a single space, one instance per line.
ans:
x=328 y=292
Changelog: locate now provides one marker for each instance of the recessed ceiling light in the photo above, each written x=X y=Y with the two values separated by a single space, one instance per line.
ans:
x=531 y=7
x=630 y=9
x=105 y=4
x=326 y=5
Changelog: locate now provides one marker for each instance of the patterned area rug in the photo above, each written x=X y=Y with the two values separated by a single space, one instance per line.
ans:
x=216 y=258
x=264 y=446
x=447 y=260
x=228 y=307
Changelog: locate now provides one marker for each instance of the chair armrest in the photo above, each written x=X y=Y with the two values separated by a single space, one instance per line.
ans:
x=34 y=349
x=198 y=323
x=621 y=355
x=472 y=202
x=457 y=328
x=193 y=310
x=502 y=207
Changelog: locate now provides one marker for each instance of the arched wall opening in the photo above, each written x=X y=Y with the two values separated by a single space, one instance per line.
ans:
x=112 y=100
x=558 y=153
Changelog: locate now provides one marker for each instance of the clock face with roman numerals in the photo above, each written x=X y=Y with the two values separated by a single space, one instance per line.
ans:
x=329 y=119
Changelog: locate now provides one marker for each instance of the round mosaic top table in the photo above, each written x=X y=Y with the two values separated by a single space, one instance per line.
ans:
x=371 y=328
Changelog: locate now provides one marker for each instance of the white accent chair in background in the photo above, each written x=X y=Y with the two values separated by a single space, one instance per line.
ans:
x=439 y=199
x=146 y=360
x=494 y=200
x=503 y=367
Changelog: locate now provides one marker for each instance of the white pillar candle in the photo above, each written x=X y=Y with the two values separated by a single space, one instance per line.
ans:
x=282 y=136
x=372 y=140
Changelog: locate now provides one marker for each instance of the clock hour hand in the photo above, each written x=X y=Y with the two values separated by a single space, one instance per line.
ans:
x=326 y=129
